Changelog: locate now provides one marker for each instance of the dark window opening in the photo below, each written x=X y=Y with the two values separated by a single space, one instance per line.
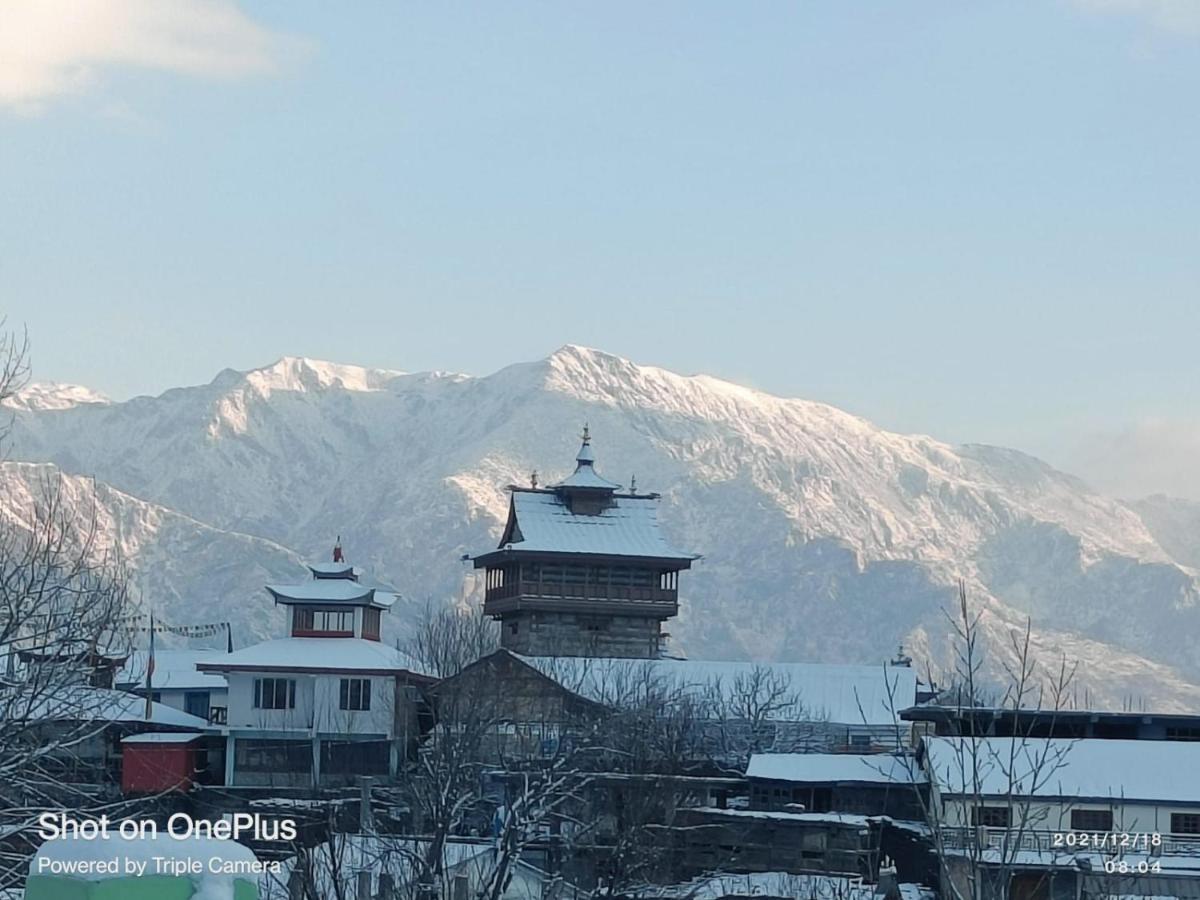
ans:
x=356 y=694
x=274 y=693
x=991 y=816
x=1091 y=820
x=1185 y=823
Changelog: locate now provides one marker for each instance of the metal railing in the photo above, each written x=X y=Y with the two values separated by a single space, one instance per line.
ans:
x=1068 y=841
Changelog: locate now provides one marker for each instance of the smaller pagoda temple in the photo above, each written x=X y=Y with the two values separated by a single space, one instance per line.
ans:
x=334 y=603
x=582 y=569
x=328 y=703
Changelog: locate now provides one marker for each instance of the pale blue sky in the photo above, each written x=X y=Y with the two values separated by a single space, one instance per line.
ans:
x=975 y=219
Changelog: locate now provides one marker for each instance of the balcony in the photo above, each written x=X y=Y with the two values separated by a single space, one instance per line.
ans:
x=585 y=598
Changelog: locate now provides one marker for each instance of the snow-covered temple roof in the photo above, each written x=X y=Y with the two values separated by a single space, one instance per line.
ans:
x=830 y=768
x=840 y=694
x=585 y=475
x=339 y=569
x=332 y=590
x=311 y=654
x=584 y=514
x=1097 y=768
x=541 y=521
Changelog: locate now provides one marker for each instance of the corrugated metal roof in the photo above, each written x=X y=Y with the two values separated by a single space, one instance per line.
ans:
x=840 y=694
x=629 y=527
x=1052 y=767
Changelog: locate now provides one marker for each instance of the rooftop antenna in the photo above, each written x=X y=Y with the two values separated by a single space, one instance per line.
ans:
x=633 y=484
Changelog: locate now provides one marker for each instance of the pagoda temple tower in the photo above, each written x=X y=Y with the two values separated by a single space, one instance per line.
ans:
x=582 y=569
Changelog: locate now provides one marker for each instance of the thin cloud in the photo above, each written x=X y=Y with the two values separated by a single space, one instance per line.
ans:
x=49 y=48
x=1180 y=17
x=1156 y=456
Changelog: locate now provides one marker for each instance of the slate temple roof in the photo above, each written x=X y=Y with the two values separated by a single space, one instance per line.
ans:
x=542 y=520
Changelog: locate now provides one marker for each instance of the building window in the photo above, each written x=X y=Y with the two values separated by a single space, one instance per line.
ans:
x=195 y=703
x=274 y=693
x=991 y=816
x=1183 y=733
x=1091 y=820
x=371 y=623
x=514 y=627
x=1185 y=823
x=356 y=694
x=327 y=621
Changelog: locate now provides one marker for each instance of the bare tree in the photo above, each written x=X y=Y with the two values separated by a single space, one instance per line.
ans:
x=445 y=640
x=998 y=778
x=63 y=602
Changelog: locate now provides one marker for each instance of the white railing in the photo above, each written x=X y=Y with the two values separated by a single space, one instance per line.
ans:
x=1043 y=840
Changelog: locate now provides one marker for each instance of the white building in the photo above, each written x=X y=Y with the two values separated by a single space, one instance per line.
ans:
x=327 y=703
x=1090 y=812
x=176 y=682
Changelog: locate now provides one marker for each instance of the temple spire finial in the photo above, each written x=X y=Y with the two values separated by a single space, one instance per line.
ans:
x=533 y=479
x=337 y=550
x=585 y=457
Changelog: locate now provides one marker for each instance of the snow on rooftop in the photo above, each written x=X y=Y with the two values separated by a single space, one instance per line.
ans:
x=627 y=528
x=1166 y=771
x=316 y=654
x=173 y=670
x=160 y=737
x=331 y=590
x=842 y=694
x=877 y=768
x=587 y=477
x=330 y=569
x=90 y=704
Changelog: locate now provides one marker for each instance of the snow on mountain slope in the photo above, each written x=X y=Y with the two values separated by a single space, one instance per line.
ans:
x=51 y=395
x=184 y=571
x=824 y=537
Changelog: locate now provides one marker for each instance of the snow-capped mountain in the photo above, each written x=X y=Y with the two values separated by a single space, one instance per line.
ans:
x=51 y=395
x=823 y=537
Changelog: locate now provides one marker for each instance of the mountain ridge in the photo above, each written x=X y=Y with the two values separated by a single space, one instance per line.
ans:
x=804 y=513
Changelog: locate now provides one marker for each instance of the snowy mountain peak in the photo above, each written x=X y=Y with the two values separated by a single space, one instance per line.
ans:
x=299 y=373
x=50 y=395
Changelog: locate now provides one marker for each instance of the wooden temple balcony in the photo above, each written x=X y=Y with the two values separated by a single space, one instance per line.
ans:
x=583 y=598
